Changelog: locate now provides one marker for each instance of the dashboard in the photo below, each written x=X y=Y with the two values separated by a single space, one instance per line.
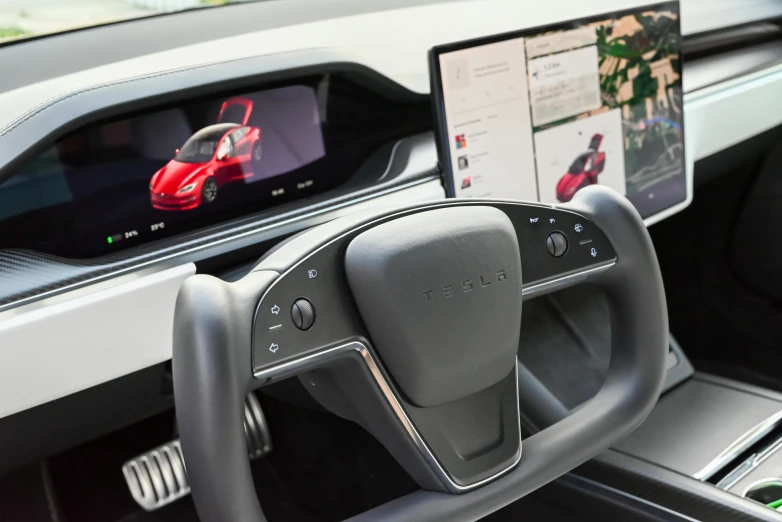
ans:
x=104 y=210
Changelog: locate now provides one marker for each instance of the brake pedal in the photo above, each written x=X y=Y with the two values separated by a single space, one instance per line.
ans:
x=159 y=477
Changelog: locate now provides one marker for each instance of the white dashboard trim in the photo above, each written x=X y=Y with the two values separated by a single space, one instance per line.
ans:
x=725 y=114
x=56 y=350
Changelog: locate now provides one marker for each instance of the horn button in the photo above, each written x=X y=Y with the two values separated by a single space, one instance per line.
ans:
x=440 y=293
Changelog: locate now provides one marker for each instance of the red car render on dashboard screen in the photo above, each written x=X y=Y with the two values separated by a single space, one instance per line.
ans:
x=218 y=154
x=583 y=171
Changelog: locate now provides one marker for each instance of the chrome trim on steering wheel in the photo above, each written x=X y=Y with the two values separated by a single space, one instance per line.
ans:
x=355 y=347
x=558 y=283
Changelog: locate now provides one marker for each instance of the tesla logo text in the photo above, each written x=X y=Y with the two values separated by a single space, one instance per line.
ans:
x=466 y=285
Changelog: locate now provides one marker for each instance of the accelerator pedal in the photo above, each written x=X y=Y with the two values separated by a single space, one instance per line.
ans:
x=159 y=477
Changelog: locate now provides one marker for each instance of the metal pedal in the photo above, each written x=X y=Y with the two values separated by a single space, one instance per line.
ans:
x=159 y=477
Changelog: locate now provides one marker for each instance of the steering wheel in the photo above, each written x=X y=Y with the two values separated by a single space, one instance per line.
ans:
x=407 y=320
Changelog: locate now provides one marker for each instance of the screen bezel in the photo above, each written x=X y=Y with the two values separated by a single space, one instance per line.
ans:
x=438 y=102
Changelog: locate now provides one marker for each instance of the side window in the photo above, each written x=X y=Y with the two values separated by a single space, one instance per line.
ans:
x=241 y=147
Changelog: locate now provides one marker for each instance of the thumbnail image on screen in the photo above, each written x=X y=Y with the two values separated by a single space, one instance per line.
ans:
x=540 y=114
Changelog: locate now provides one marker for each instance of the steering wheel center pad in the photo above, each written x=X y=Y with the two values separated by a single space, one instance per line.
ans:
x=440 y=293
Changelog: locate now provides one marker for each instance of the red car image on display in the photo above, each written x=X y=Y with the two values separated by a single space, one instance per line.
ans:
x=583 y=171
x=236 y=110
x=218 y=154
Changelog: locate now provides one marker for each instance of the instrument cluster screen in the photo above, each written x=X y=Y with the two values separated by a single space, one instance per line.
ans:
x=120 y=183
x=539 y=114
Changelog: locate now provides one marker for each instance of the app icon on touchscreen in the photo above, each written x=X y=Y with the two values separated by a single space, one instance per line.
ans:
x=461 y=141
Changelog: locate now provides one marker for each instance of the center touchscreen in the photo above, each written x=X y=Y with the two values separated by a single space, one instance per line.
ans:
x=539 y=114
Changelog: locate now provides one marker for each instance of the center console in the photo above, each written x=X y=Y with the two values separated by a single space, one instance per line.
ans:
x=710 y=448
x=720 y=432
x=704 y=427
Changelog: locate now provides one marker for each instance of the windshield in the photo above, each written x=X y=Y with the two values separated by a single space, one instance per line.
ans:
x=201 y=146
x=20 y=19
